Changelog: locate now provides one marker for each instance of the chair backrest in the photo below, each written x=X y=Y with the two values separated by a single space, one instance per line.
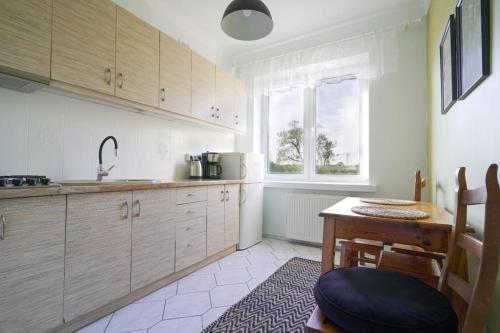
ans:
x=419 y=185
x=472 y=301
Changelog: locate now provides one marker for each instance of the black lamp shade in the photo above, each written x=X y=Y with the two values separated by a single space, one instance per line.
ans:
x=247 y=20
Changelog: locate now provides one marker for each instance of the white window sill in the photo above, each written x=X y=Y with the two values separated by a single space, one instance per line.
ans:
x=322 y=186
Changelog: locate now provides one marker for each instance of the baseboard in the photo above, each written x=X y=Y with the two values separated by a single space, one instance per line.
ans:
x=291 y=240
x=111 y=307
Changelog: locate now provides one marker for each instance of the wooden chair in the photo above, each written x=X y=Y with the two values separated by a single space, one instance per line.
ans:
x=471 y=302
x=420 y=183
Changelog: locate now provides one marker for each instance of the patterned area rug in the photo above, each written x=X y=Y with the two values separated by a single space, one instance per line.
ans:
x=282 y=303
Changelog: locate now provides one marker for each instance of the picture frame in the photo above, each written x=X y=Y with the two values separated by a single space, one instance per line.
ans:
x=473 y=44
x=448 y=65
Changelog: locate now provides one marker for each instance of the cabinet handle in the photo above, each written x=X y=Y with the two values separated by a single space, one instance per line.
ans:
x=125 y=204
x=2 y=227
x=162 y=94
x=217 y=112
x=222 y=196
x=189 y=212
x=138 y=203
x=227 y=196
x=188 y=228
x=107 y=76
x=120 y=77
x=189 y=245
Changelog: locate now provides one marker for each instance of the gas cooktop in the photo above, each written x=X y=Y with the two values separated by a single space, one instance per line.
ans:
x=24 y=181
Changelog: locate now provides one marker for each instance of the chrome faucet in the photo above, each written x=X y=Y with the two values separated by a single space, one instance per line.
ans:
x=101 y=172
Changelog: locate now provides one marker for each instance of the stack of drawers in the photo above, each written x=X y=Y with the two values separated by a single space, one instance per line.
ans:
x=191 y=226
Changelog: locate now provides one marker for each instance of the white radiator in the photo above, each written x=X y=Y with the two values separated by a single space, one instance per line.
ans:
x=302 y=220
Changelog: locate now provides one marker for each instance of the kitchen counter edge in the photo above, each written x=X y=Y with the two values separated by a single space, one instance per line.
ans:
x=26 y=192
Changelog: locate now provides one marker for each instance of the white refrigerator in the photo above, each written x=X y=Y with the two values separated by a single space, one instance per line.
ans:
x=248 y=167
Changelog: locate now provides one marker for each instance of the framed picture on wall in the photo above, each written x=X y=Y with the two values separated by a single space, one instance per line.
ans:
x=448 y=61
x=473 y=44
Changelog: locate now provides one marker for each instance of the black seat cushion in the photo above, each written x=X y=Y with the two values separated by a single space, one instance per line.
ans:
x=361 y=300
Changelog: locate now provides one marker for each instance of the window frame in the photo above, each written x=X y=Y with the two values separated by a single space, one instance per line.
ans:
x=309 y=140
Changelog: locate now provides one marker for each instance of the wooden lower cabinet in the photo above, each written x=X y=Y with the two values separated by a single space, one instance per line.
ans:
x=215 y=220
x=153 y=236
x=98 y=251
x=190 y=242
x=232 y=214
x=31 y=264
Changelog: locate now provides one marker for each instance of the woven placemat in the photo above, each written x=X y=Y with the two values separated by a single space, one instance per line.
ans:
x=391 y=212
x=392 y=202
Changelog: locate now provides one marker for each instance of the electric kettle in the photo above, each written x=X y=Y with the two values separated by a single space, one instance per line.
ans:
x=195 y=169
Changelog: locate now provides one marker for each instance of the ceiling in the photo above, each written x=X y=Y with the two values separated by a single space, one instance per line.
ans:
x=292 y=18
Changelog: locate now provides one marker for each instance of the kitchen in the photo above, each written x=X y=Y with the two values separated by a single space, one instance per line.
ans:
x=164 y=163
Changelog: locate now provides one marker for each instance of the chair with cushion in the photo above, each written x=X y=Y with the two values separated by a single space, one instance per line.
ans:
x=362 y=300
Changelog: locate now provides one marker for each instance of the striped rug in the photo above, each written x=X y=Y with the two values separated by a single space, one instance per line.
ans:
x=282 y=303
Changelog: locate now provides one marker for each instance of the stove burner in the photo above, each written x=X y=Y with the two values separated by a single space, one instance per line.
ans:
x=24 y=180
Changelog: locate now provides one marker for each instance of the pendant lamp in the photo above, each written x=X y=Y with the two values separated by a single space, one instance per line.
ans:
x=247 y=20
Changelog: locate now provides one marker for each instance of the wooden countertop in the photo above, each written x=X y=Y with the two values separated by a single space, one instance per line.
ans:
x=79 y=187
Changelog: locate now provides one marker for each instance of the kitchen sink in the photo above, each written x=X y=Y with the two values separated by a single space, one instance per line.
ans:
x=105 y=182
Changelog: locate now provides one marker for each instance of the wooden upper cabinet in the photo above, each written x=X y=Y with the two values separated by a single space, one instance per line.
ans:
x=25 y=38
x=202 y=88
x=83 y=44
x=224 y=97
x=175 y=76
x=240 y=106
x=137 y=59
x=32 y=264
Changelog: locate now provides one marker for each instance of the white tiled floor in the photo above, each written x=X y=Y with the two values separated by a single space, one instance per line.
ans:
x=192 y=303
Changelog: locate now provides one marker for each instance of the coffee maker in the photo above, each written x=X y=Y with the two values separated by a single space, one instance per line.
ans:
x=211 y=165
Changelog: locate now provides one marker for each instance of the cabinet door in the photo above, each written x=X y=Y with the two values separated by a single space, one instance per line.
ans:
x=25 y=38
x=240 y=106
x=202 y=88
x=215 y=220
x=32 y=264
x=224 y=97
x=83 y=44
x=175 y=76
x=137 y=59
x=98 y=249
x=232 y=215
x=153 y=236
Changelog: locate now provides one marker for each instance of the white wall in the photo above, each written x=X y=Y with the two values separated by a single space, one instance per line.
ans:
x=398 y=130
x=59 y=136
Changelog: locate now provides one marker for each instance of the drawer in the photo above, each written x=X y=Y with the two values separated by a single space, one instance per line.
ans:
x=190 y=211
x=191 y=243
x=184 y=230
x=191 y=194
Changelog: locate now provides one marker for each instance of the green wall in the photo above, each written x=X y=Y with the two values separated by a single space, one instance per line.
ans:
x=469 y=135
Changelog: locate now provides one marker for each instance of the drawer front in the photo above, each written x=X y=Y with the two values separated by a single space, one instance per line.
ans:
x=184 y=230
x=190 y=211
x=191 y=194
x=191 y=243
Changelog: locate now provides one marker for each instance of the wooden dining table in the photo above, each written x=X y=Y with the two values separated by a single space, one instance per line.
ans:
x=340 y=222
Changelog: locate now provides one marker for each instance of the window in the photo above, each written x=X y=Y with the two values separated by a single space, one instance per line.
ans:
x=318 y=134
x=286 y=132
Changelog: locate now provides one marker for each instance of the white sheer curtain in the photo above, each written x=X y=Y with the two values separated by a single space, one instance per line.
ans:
x=368 y=56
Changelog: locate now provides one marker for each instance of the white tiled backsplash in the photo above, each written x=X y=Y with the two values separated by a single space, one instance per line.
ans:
x=59 y=136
